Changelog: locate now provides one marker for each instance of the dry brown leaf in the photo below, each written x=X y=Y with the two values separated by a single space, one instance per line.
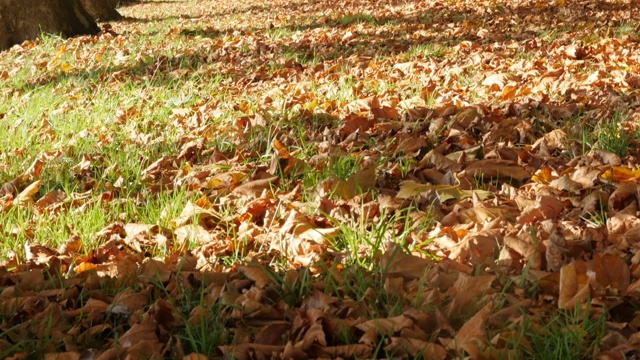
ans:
x=566 y=183
x=357 y=351
x=26 y=195
x=547 y=207
x=480 y=215
x=468 y=290
x=395 y=262
x=497 y=81
x=492 y=169
x=69 y=355
x=574 y=286
x=71 y=245
x=12 y=187
x=622 y=197
x=387 y=326
x=472 y=336
x=353 y=123
x=258 y=274
x=195 y=356
x=273 y=333
x=360 y=182
x=155 y=270
x=51 y=199
x=250 y=351
x=191 y=213
x=612 y=273
x=142 y=331
x=255 y=188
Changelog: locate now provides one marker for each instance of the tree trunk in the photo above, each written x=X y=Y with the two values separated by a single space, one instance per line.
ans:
x=102 y=10
x=22 y=20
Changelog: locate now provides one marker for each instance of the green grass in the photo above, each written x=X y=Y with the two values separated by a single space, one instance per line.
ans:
x=573 y=334
x=278 y=33
x=357 y=19
x=427 y=50
x=625 y=28
x=614 y=133
x=611 y=135
x=243 y=85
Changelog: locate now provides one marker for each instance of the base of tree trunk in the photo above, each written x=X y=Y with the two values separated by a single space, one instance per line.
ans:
x=22 y=20
x=102 y=10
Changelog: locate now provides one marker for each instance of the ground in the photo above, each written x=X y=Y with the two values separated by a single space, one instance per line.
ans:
x=323 y=179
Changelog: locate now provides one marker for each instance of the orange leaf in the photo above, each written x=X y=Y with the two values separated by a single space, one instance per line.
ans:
x=84 y=267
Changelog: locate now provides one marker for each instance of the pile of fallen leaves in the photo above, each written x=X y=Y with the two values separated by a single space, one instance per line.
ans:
x=495 y=216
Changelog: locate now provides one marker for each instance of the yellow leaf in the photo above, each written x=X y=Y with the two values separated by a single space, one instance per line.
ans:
x=228 y=179
x=311 y=105
x=621 y=174
x=543 y=176
x=61 y=50
x=84 y=267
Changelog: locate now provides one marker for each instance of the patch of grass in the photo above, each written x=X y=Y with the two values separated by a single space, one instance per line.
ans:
x=612 y=136
x=339 y=92
x=293 y=293
x=596 y=219
x=205 y=326
x=361 y=18
x=364 y=242
x=22 y=228
x=278 y=33
x=468 y=77
x=549 y=35
x=524 y=55
x=343 y=166
x=122 y=102
x=427 y=50
x=579 y=139
x=567 y=334
x=625 y=28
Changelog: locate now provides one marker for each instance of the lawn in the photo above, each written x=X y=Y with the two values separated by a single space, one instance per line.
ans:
x=356 y=179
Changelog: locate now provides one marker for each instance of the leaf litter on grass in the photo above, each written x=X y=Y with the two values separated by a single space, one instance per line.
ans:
x=280 y=179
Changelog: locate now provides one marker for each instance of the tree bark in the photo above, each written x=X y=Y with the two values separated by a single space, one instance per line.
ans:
x=22 y=20
x=102 y=10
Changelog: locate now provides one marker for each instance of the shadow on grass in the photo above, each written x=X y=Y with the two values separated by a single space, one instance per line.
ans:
x=128 y=19
x=125 y=3
x=371 y=36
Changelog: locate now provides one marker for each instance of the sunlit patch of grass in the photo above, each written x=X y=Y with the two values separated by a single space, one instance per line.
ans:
x=567 y=334
x=468 y=77
x=357 y=19
x=549 y=35
x=25 y=227
x=614 y=134
x=524 y=55
x=341 y=90
x=278 y=33
x=611 y=135
x=339 y=166
x=427 y=50
x=625 y=28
